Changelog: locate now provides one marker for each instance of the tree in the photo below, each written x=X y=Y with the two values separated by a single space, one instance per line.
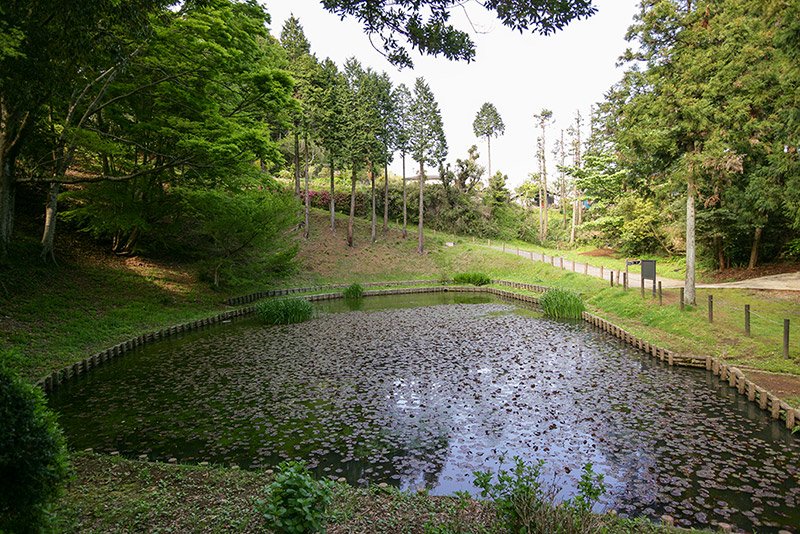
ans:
x=330 y=113
x=426 y=140
x=497 y=193
x=206 y=101
x=403 y=101
x=387 y=109
x=362 y=131
x=424 y=24
x=303 y=66
x=543 y=119
x=45 y=47
x=488 y=124
x=468 y=173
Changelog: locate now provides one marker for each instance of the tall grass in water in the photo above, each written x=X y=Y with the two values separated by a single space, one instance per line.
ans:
x=476 y=279
x=353 y=292
x=562 y=304
x=284 y=311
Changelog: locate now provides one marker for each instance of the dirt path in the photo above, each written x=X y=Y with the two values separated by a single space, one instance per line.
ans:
x=779 y=282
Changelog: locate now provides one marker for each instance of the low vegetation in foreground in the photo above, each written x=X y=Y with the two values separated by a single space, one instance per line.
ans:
x=113 y=493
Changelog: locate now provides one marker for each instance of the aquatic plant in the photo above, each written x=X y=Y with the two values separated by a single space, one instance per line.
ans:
x=562 y=304
x=295 y=502
x=353 y=292
x=476 y=279
x=284 y=311
x=33 y=456
x=523 y=504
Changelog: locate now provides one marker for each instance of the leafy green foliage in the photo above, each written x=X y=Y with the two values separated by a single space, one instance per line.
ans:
x=33 y=456
x=284 y=311
x=488 y=122
x=524 y=504
x=425 y=24
x=295 y=503
x=354 y=292
x=562 y=304
x=497 y=194
x=476 y=279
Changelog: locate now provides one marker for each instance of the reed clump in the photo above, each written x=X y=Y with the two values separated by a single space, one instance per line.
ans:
x=284 y=311
x=562 y=304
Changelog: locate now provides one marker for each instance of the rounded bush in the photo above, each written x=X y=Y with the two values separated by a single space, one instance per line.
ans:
x=33 y=456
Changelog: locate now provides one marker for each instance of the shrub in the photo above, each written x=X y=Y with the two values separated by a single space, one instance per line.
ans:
x=476 y=279
x=294 y=501
x=33 y=457
x=562 y=304
x=284 y=311
x=353 y=292
x=523 y=504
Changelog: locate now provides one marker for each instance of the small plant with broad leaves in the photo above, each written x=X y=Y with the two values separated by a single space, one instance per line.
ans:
x=562 y=304
x=476 y=279
x=523 y=504
x=284 y=311
x=353 y=292
x=295 y=503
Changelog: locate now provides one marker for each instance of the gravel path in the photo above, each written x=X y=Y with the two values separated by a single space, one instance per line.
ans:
x=779 y=282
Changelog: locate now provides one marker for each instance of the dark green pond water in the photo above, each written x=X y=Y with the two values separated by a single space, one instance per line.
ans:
x=421 y=390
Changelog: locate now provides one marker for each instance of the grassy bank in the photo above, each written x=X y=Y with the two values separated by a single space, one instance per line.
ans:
x=115 y=494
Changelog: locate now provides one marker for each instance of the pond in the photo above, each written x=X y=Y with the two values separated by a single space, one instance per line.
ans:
x=420 y=391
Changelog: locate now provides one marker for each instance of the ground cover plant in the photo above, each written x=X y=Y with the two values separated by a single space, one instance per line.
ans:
x=284 y=311
x=294 y=502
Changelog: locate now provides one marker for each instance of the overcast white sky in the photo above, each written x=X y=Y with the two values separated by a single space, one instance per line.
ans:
x=519 y=74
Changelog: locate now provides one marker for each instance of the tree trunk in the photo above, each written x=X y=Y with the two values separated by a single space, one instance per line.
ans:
x=689 y=286
x=575 y=208
x=489 y=153
x=6 y=202
x=297 y=163
x=385 y=198
x=51 y=213
x=754 y=251
x=308 y=193
x=352 y=208
x=374 y=233
x=405 y=204
x=720 y=252
x=333 y=200
x=420 y=236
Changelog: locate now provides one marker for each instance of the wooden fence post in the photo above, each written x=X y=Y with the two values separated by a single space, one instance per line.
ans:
x=747 y=320
x=786 y=338
x=641 y=280
x=711 y=308
x=682 y=304
x=660 y=295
